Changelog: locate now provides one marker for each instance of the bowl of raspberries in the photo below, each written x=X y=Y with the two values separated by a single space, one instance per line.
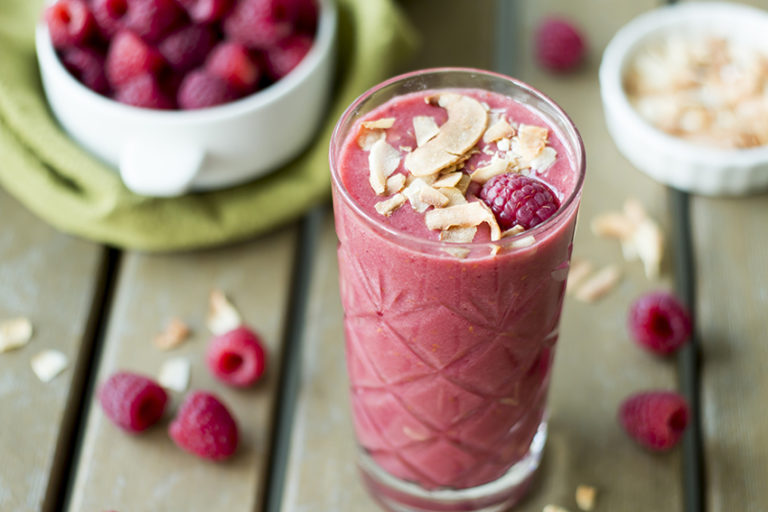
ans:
x=181 y=95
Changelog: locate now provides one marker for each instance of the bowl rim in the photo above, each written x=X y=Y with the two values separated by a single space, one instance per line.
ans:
x=634 y=35
x=322 y=46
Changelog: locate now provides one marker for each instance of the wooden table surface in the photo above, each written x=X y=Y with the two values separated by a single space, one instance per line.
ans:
x=102 y=308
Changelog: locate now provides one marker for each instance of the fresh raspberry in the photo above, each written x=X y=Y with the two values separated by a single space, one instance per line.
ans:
x=188 y=47
x=201 y=89
x=128 y=57
x=237 y=357
x=133 y=402
x=152 y=19
x=659 y=322
x=559 y=45
x=206 y=11
x=258 y=24
x=109 y=15
x=70 y=23
x=519 y=200
x=143 y=91
x=303 y=13
x=655 y=419
x=232 y=62
x=87 y=65
x=282 y=58
x=204 y=427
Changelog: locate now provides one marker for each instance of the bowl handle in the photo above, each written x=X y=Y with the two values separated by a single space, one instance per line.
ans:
x=152 y=168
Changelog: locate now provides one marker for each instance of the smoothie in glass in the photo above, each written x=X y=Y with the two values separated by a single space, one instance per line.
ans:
x=451 y=312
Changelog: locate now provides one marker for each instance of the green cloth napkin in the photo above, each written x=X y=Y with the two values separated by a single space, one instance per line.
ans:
x=73 y=191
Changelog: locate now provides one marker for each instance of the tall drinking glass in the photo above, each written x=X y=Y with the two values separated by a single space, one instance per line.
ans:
x=449 y=346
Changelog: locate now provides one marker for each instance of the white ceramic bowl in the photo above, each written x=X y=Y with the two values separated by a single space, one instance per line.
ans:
x=167 y=153
x=676 y=162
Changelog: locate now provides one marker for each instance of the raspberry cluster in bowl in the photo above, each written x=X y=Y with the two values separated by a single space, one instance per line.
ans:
x=180 y=54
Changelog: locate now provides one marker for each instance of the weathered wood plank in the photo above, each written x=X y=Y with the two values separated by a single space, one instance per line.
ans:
x=54 y=280
x=148 y=472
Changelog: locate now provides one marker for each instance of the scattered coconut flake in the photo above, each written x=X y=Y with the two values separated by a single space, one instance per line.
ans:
x=458 y=235
x=585 y=497
x=463 y=215
x=466 y=123
x=553 y=508
x=463 y=183
x=379 y=124
x=425 y=129
x=174 y=334
x=405 y=149
x=395 y=183
x=449 y=180
x=531 y=140
x=222 y=315
x=368 y=138
x=498 y=130
x=613 y=225
x=634 y=210
x=514 y=230
x=578 y=272
x=388 y=206
x=648 y=241
x=48 y=364
x=413 y=193
x=174 y=374
x=497 y=167
x=14 y=333
x=526 y=241
x=599 y=284
x=383 y=159
x=544 y=161
x=454 y=195
x=432 y=196
x=504 y=144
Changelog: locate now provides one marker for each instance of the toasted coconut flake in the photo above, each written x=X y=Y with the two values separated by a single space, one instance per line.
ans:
x=504 y=144
x=368 y=138
x=14 y=333
x=48 y=364
x=379 y=124
x=457 y=252
x=463 y=183
x=498 y=130
x=413 y=193
x=449 y=180
x=578 y=272
x=514 y=230
x=613 y=225
x=466 y=123
x=174 y=334
x=648 y=241
x=462 y=215
x=222 y=315
x=544 y=161
x=458 y=235
x=599 y=285
x=585 y=497
x=383 y=159
x=634 y=210
x=553 y=508
x=531 y=141
x=526 y=241
x=425 y=129
x=174 y=374
x=388 y=206
x=495 y=168
x=454 y=196
x=432 y=196
x=395 y=183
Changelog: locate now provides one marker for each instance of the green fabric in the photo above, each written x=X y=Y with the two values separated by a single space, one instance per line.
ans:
x=70 y=189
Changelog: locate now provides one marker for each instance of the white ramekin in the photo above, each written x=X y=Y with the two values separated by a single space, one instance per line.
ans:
x=167 y=153
x=676 y=162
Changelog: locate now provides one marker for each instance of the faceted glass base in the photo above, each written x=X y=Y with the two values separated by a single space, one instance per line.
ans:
x=398 y=495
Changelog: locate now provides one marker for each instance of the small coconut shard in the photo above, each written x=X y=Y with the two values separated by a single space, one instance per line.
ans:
x=467 y=121
x=48 y=364
x=222 y=315
x=380 y=124
x=383 y=159
x=14 y=333
x=501 y=129
x=388 y=206
x=463 y=215
x=174 y=374
x=175 y=333
x=425 y=129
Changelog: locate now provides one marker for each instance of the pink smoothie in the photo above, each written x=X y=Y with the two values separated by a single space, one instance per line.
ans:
x=449 y=358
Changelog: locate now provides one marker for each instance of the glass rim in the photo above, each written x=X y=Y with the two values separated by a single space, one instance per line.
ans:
x=566 y=206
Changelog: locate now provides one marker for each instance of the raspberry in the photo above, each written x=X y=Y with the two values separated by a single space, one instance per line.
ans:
x=204 y=427
x=87 y=65
x=659 y=322
x=133 y=402
x=232 y=62
x=109 y=15
x=152 y=19
x=304 y=15
x=143 y=91
x=188 y=47
x=237 y=357
x=258 y=24
x=70 y=23
x=655 y=419
x=206 y=11
x=559 y=45
x=519 y=200
x=201 y=89
x=128 y=57
x=282 y=58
